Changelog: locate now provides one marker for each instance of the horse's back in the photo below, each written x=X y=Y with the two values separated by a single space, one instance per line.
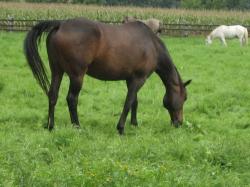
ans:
x=108 y=52
x=125 y=50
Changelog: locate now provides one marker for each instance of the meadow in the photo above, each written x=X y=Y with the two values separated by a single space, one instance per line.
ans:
x=212 y=148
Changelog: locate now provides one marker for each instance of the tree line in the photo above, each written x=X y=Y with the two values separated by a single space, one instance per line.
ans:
x=190 y=4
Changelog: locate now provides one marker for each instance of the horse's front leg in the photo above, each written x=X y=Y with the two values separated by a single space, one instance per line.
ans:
x=133 y=87
x=133 y=107
x=241 y=39
x=223 y=40
x=134 y=112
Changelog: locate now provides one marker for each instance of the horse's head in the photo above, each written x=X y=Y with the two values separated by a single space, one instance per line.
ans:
x=208 y=40
x=174 y=100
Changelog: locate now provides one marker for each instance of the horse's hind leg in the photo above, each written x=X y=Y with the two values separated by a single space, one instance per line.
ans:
x=134 y=86
x=72 y=98
x=133 y=108
x=224 y=42
x=56 y=79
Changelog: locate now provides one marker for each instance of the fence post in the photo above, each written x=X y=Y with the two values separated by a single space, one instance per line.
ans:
x=10 y=23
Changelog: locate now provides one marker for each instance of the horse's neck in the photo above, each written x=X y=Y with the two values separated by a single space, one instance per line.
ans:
x=169 y=75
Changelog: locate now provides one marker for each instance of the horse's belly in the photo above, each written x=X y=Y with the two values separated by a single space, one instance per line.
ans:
x=230 y=35
x=105 y=71
x=121 y=63
x=107 y=76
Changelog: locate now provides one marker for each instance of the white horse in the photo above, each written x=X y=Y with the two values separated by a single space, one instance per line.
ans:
x=233 y=31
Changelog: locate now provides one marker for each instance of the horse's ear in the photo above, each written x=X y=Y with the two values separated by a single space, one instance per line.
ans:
x=187 y=82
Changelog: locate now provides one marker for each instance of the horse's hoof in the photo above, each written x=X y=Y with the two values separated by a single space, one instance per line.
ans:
x=48 y=127
x=176 y=125
x=120 y=130
x=134 y=123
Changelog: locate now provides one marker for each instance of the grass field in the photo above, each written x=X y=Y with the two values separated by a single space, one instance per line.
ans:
x=211 y=149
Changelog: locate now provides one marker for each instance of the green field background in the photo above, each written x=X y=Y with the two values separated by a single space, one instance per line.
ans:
x=41 y=11
x=212 y=148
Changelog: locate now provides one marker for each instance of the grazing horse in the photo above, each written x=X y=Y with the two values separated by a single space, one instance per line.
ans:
x=152 y=23
x=233 y=31
x=106 y=52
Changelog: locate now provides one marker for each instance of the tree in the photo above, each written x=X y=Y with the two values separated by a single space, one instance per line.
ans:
x=191 y=4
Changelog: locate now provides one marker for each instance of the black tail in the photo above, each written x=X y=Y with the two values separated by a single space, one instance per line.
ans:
x=31 y=43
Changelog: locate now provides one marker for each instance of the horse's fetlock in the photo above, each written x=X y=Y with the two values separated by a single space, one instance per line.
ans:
x=120 y=129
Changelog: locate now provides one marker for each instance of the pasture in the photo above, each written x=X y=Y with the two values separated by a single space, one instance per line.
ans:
x=212 y=148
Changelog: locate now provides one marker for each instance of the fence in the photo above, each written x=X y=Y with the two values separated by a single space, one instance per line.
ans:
x=13 y=25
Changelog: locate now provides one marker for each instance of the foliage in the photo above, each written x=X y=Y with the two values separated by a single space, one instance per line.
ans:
x=192 y=4
x=211 y=149
x=143 y=3
x=61 y=11
x=216 y=4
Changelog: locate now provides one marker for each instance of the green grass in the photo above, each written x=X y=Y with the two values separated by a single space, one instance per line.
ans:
x=211 y=149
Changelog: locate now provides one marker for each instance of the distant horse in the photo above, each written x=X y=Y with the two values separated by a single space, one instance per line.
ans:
x=106 y=52
x=233 y=31
x=152 y=23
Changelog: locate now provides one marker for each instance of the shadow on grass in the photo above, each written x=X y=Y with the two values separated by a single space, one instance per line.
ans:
x=1 y=87
x=243 y=126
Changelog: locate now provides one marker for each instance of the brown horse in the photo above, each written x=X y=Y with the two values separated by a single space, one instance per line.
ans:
x=106 y=52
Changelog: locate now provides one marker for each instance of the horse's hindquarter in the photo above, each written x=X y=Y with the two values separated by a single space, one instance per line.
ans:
x=75 y=43
x=123 y=52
